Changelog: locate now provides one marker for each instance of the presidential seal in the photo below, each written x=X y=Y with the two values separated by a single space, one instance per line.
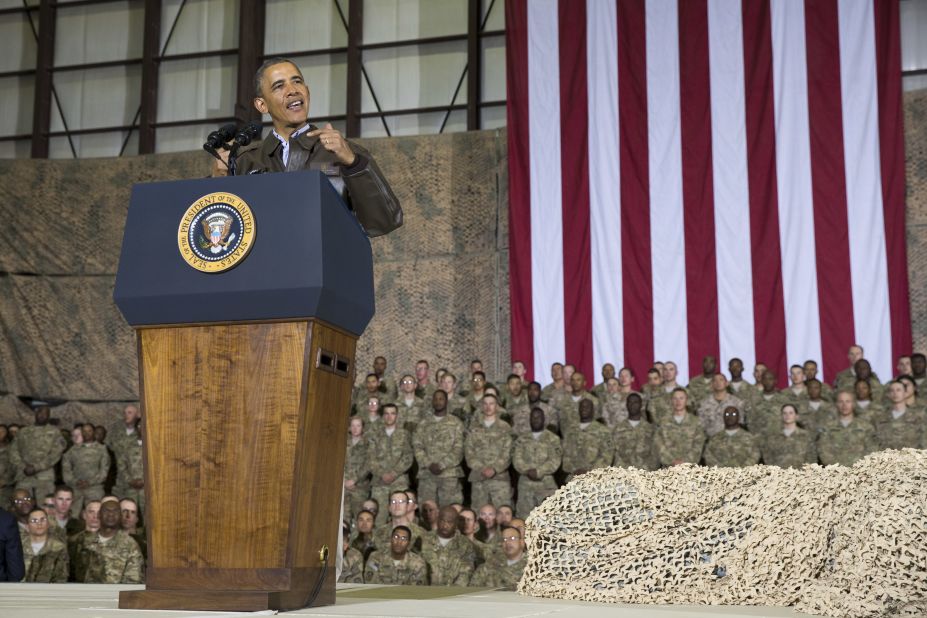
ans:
x=216 y=232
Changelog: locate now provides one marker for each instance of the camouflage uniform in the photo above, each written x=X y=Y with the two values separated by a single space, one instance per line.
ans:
x=614 y=409
x=356 y=469
x=765 y=415
x=510 y=402
x=131 y=461
x=792 y=451
x=460 y=407
x=388 y=454
x=40 y=446
x=551 y=391
x=699 y=389
x=439 y=440
x=489 y=447
x=498 y=573
x=711 y=412
x=543 y=454
x=382 y=534
x=660 y=404
x=846 y=381
x=732 y=449
x=798 y=397
x=846 y=444
x=634 y=445
x=816 y=414
x=410 y=414
x=451 y=564
x=352 y=567
x=568 y=411
x=85 y=462
x=382 y=569
x=117 y=439
x=50 y=565
x=7 y=476
x=870 y=410
x=388 y=389
x=117 y=561
x=425 y=392
x=587 y=449
x=360 y=399
x=907 y=431
x=521 y=417
x=744 y=391
x=679 y=440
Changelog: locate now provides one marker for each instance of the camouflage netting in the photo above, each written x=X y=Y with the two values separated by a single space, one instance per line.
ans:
x=836 y=541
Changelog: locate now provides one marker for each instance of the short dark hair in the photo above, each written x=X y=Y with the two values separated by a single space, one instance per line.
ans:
x=406 y=528
x=259 y=74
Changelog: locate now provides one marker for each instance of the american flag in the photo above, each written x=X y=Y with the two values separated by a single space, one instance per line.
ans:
x=692 y=177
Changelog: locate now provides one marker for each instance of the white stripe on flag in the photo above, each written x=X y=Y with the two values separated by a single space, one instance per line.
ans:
x=546 y=216
x=604 y=187
x=868 y=262
x=667 y=227
x=793 y=169
x=732 y=198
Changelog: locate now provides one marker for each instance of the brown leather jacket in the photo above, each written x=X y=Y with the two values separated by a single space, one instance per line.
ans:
x=362 y=185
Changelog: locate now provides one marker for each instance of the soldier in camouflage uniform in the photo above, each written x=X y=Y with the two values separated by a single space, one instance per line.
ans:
x=110 y=556
x=589 y=445
x=608 y=373
x=817 y=411
x=7 y=471
x=866 y=407
x=558 y=384
x=45 y=556
x=450 y=556
x=765 y=415
x=457 y=405
x=847 y=378
x=505 y=570
x=681 y=437
x=536 y=457
x=34 y=453
x=739 y=387
x=410 y=407
x=387 y=385
x=660 y=403
x=713 y=406
x=363 y=393
x=356 y=469
x=900 y=426
x=521 y=416
x=568 y=405
x=810 y=368
x=514 y=395
x=791 y=446
x=85 y=466
x=352 y=561
x=847 y=439
x=131 y=462
x=424 y=387
x=796 y=392
x=402 y=513
x=389 y=457
x=633 y=438
x=438 y=444
x=122 y=434
x=397 y=565
x=613 y=404
x=488 y=453
x=699 y=388
x=732 y=447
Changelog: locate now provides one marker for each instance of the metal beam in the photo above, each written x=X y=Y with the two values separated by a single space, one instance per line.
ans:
x=355 y=38
x=251 y=18
x=45 y=58
x=151 y=49
x=474 y=66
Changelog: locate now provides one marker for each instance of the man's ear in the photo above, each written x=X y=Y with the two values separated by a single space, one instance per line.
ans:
x=260 y=104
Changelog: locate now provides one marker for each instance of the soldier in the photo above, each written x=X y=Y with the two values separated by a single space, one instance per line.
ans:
x=918 y=369
x=653 y=388
x=633 y=438
x=456 y=404
x=660 y=404
x=810 y=368
x=912 y=399
x=370 y=389
x=387 y=385
x=424 y=388
x=765 y=415
x=409 y=406
x=903 y=368
x=489 y=527
x=732 y=447
x=848 y=439
x=371 y=417
x=515 y=395
x=589 y=445
x=131 y=458
x=352 y=561
x=21 y=504
x=536 y=457
x=521 y=416
x=681 y=437
x=900 y=426
x=131 y=525
x=506 y=570
x=488 y=453
x=122 y=434
x=398 y=565
x=362 y=537
x=429 y=519
x=357 y=468
x=389 y=457
x=110 y=556
x=85 y=465
x=401 y=514
x=34 y=453
x=45 y=556
x=792 y=447
x=608 y=373
x=568 y=406
x=449 y=555
x=864 y=371
x=796 y=392
x=438 y=444
x=847 y=377
x=614 y=409
x=739 y=387
x=700 y=387
x=7 y=471
x=557 y=386
x=818 y=411
x=61 y=518
x=714 y=405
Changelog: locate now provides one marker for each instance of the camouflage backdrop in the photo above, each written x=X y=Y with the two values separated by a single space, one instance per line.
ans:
x=441 y=280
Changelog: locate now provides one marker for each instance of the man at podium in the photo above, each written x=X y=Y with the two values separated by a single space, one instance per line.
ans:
x=294 y=144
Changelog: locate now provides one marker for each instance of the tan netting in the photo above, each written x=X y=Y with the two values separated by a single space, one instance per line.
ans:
x=832 y=541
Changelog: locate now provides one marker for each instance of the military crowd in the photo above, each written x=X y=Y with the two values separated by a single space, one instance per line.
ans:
x=458 y=443
x=77 y=497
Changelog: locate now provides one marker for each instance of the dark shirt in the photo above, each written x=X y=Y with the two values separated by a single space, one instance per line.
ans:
x=12 y=567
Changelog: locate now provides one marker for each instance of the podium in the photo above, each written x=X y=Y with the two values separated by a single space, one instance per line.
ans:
x=247 y=295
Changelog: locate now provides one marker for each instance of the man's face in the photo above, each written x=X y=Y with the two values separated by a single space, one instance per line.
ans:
x=814 y=390
x=399 y=543
x=634 y=404
x=284 y=95
x=577 y=382
x=130 y=415
x=48 y=505
x=896 y=392
x=129 y=514
x=863 y=369
x=736 y=367
x=556 y=371
x=504 y=514
x=373 y=407
x=918 y=365
x=421 y=371
x=467 y=522
x=37 y=523
x=586 y=411
x=448 y=383
x=477 y=382
x=89 y=433
x=511 y=543
x=654 y=378
x=537 y=419
x=608 y=371
x=447 y=522
x=371 y=505
x=379 y=365
x=568 y=371
x=811 y=370
x=77 y=435
x=731 y=418
x=22 y=502
x=488 y=516
x=844 y=404
x=625 y=377
x=489 y=407
x=398 y=504
x=389 y=416
x=534 y=391
x=518 y=368
x=758 y=372
x=356 y=427
x=709 y=365
x=514 y=386
x=769 y=381
x=430 y=511
x=91 y=515
x=110 y=515
x=904 y=366
x=855 y=353
x=669 y=373
x=407 y=385
x=99 y=434
x=365 y=523
x=476 y=366
x=718 y=383
x=612 y=386
x=789 y=415
x=439 y=401
x=679 y=400
x=371 y=383
x=797 y=375
x=63 y=502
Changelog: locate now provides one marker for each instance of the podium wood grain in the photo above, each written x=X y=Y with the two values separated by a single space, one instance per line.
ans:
x=244 y=447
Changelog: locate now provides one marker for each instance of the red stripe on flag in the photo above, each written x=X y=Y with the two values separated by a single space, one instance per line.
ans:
x=574 y=160
x=637 y=281
x=768 y=303
x=891 y=152
x=828 y=184
x=516 y=65
x=698 y=183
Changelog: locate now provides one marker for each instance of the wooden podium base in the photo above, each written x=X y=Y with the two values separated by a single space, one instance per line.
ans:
x=244 y=432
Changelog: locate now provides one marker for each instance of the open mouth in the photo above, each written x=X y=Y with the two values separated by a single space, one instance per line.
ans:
x=295 y=105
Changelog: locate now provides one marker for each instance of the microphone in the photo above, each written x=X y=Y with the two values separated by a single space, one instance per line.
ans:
x=219 y=137
x=247 y=134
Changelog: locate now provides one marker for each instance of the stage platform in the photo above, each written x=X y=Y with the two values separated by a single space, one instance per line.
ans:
x=100 y=601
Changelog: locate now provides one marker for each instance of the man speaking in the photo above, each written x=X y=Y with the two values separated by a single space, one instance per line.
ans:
x=295 y=145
